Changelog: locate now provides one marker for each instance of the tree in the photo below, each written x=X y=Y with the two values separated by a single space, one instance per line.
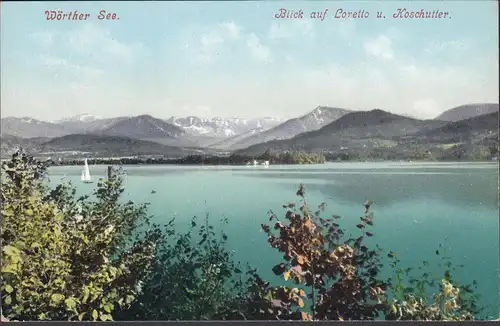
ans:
x=67 y=259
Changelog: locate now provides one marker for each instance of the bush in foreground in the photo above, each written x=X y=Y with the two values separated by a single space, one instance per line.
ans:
x=65 y=258
x=336 y=277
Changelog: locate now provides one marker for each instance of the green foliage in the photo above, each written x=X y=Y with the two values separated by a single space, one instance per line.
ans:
x=193 y=277
x=67 y=259
x=422 y=296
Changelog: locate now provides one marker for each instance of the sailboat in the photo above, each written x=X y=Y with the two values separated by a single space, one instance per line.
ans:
x=86 y=178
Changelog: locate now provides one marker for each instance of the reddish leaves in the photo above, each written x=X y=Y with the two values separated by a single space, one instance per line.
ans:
x=316 y=258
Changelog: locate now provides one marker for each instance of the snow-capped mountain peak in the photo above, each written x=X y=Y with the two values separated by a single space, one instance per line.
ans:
x=84 y=117
x=221 y=127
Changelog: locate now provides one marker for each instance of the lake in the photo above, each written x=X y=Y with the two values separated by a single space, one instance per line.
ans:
x=417 y=207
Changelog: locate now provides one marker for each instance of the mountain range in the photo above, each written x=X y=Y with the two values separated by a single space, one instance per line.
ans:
x=378 y=130
x=322 y=129
x=220 y=127
x=467 y=111
x=309 y=122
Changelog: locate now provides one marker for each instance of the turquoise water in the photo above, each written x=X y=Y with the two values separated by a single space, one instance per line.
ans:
x=418 y=206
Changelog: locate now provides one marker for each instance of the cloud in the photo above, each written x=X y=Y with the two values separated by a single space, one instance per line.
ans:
x=87 y=43
x=404 y=86
x=290 y=29
x=208 y=44
x=79 y=70
x=346 y=29
x=232 y=29
x=247 y=83
x=71 y=68
x=86 y=54
x=91 y=40
x=258 y=51
x=380 y=47
x=43 y=39
x=436 y=46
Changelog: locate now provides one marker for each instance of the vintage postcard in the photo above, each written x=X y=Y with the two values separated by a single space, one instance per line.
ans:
x=249 y=161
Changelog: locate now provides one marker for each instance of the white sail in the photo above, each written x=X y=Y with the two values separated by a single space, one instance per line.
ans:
x=82 y=176
x=86 y=173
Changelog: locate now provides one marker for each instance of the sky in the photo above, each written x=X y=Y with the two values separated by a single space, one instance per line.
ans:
x=235 y=59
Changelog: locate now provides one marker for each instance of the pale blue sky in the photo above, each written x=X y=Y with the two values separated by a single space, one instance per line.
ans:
x=235 y=59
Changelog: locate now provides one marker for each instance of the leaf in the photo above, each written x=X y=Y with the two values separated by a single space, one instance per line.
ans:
x=8 y=288
x=11 y=251
x=56 y=298
x=86 y=293
x=70 y=303
x=308 y=224
x=129 y=299
x=94 y=314
x=8 y=300
x=108 y=307
x=279 y=269
x=80 y=316
x=286 y=275
x=105 y=317
x=394 y=309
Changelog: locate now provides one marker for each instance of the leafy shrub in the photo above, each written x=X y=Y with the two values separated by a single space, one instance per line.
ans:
x=193 y=277
x=340 y=278
x=423 y=297
x=67 y=259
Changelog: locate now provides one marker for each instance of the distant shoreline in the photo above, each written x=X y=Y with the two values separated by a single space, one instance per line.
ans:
x=285 y=158
x=277 y=163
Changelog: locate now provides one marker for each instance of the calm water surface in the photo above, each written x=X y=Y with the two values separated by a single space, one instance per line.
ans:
x=418 y=206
